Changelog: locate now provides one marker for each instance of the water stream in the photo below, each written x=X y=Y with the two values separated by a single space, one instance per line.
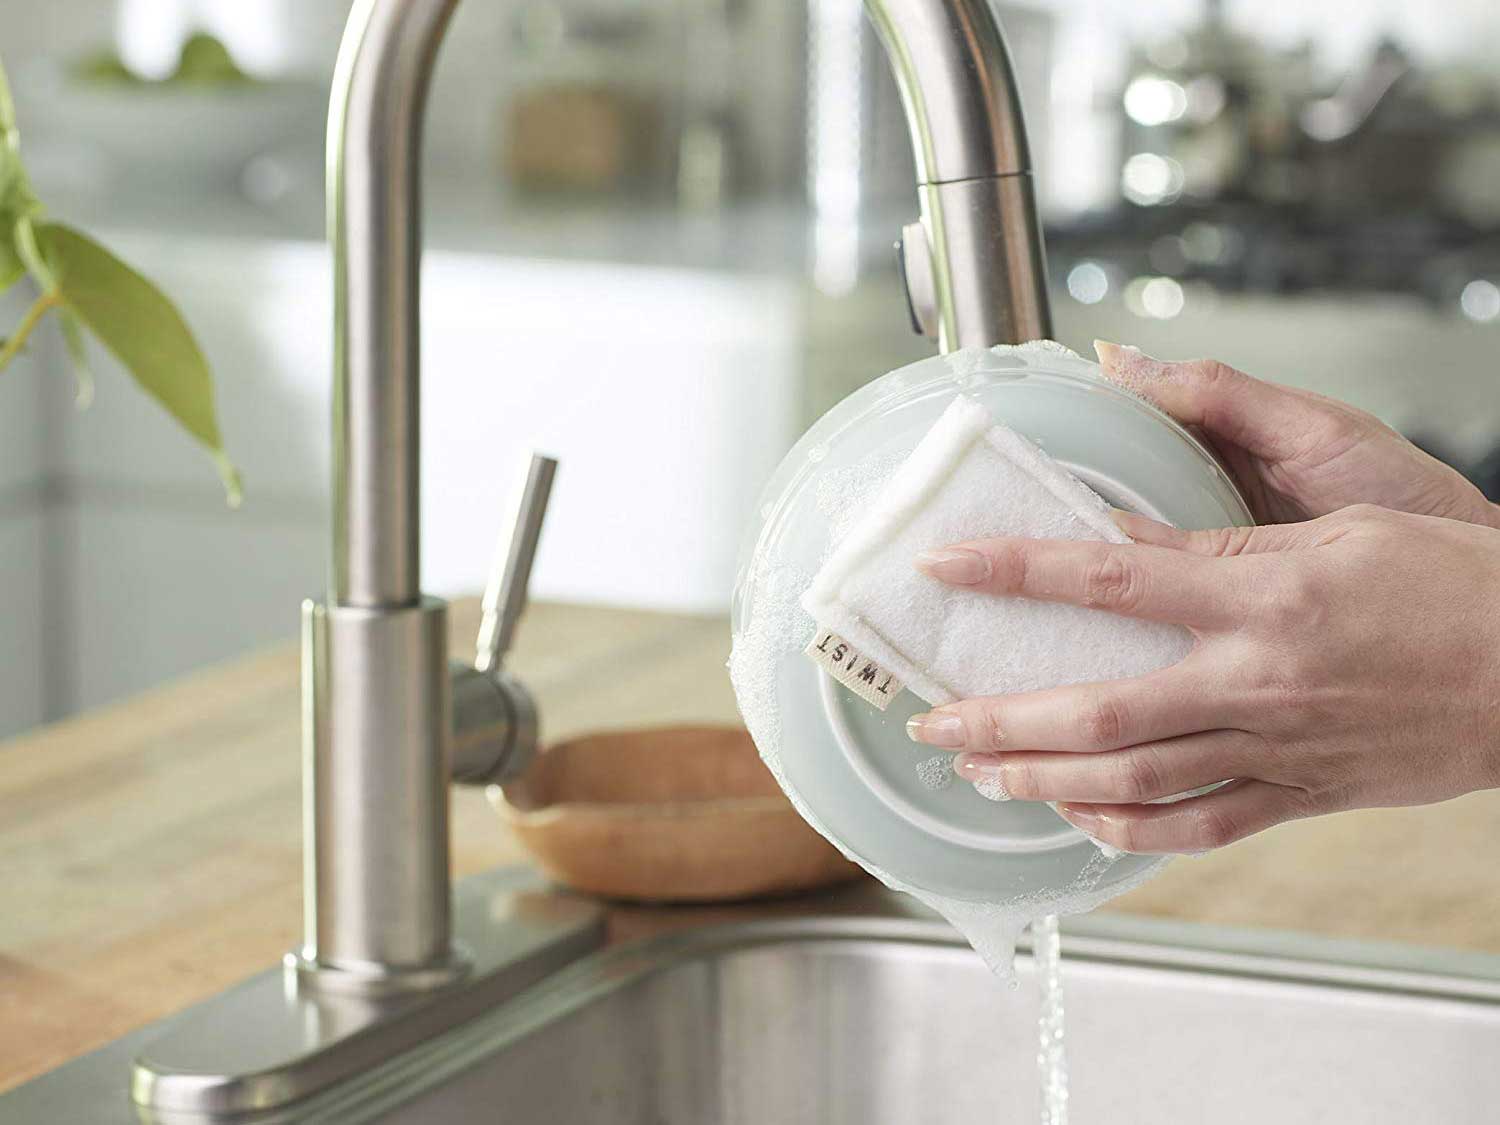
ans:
x=1052 y=1056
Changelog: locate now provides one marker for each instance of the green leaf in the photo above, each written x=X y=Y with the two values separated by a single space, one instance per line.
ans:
x=142 y=329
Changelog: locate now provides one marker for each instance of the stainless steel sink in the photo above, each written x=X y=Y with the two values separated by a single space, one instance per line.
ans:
x=859 y=1008
x=875 y=1019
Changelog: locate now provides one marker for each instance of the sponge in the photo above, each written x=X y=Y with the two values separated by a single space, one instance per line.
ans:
x=972 y=478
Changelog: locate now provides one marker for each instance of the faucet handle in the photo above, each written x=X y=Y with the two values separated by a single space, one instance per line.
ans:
x=505 y=595
x=495 y=728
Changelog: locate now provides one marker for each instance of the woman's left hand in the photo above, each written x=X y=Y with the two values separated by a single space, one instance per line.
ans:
x=1345 y=662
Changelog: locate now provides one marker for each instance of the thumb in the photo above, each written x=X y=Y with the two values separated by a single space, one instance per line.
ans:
x=1264 y=419
x=1220 y=542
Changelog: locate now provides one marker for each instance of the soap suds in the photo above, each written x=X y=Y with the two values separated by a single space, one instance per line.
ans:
x=936 y=772
x=991 y=789
x=842 y=494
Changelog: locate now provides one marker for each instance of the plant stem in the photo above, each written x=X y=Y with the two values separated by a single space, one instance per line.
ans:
x=7 y=111
x=48 y=300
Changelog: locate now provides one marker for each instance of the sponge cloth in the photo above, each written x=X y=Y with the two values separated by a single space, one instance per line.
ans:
x=971 y=478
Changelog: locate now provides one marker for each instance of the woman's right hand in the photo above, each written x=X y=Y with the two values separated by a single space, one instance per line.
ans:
x=1297 y=455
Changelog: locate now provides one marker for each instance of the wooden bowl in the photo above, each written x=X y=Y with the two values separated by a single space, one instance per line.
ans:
x=674 y=814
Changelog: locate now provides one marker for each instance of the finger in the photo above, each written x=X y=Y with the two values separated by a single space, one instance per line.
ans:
x=1217 y=542
x=1084 y=718
x=1268 y=420
x=1131 y=579
x=1197 y=824
x=1137 y=773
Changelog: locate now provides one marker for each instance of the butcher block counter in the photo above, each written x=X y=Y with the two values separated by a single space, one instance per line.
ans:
x=150 y=852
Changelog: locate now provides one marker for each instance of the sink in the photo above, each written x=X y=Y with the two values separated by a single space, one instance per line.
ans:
x=859 y=1007
x=889 y=1019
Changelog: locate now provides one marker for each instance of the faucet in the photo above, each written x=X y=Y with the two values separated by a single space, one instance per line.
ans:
x=387 y=721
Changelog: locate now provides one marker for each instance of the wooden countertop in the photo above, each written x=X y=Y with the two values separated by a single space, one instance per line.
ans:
x=150 y=852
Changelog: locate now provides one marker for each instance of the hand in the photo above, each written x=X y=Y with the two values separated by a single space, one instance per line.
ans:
x=1351 y=661
x=1297 y=455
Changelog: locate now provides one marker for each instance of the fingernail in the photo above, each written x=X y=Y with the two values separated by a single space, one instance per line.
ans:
x=985 y=773
x=1128 y=366
x=956 y=565
x=975 y=766
x=1107 y=352
x=1086 y=819
x=1113 y=355
x=1130 y=523
x=936 y=729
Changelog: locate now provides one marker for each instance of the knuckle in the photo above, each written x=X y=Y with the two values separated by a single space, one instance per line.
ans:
x=1214 y=828
x=1227 y=541
x=1367 y=517
x=1020 y=779
x=1141 y=776
x=1216 y=373
x=1109 y=582
x=1361 y=513
x=1124 y=833
x=1323 y=794
x=1008 y=567
x=1339 y=431
x=990 y=728
x=1102 y=720
x=1296 y=600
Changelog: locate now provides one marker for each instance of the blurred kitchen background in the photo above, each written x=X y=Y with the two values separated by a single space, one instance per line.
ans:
x=658 y=243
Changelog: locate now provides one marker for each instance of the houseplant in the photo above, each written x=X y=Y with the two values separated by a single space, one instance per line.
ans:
x=91 y=293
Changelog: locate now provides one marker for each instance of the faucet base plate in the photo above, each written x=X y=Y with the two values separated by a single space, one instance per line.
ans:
x=274 y=1039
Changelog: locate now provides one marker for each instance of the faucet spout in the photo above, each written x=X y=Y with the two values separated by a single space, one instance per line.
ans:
x=980 y=254
x=375 y=227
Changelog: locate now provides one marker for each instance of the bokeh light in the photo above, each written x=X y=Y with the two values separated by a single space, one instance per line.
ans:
x=1149 y=178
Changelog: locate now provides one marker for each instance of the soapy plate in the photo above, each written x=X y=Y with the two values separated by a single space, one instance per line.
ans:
x=850 y=768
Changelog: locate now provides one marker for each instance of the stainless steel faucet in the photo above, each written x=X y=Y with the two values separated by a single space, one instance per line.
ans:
x=387 y=721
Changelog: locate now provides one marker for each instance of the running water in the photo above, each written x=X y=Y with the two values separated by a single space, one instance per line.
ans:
x=1052 y=1056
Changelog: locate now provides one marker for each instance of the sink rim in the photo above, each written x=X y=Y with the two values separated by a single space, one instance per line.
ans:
x=860 y=913
x=881 y=916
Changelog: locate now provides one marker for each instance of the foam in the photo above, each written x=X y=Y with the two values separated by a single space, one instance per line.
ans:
x=991 y=789
x=774 y=627
x=936 y=772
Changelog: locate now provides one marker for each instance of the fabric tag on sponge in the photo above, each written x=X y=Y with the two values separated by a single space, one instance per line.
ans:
x=855 y=671
x=970 y=478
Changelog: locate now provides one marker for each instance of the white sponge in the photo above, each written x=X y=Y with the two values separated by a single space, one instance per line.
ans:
x=971 y=478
